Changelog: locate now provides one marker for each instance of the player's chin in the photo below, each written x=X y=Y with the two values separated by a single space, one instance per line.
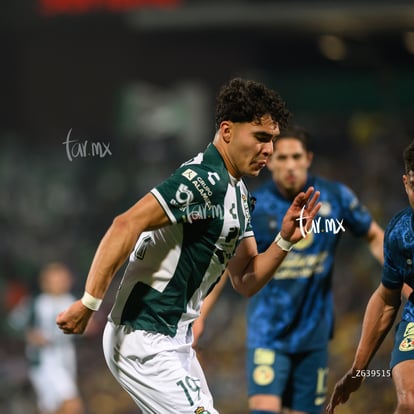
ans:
x=255 y=171
x=252 y=173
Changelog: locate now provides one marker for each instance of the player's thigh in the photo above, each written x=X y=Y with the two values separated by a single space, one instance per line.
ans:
x=163 y=385
x=164 y=382
x=403 y=349
x=268 y=372
x=309 y=379
x=402 y=374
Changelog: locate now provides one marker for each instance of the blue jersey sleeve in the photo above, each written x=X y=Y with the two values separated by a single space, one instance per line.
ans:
x=355 y=215
x=391 y=276
x=398 y=251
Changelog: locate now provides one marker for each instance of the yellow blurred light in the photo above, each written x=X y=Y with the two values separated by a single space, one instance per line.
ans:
x=332 y=47
x=409 y=41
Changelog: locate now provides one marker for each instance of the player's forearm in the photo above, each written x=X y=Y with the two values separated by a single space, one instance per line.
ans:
x=249 y=278
x=375 y=239
x=119 y=241
x=112 y=252
x=379 y=317
x=259 y=271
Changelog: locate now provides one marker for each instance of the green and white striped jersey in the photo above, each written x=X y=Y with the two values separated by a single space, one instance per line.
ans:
x=172 y=269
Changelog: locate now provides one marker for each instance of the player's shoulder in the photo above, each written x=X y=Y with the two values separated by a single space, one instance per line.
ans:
x=204 y=175
x=337 y=190
x=323 y=183
x=207 y=167
x=266 y=188
x=266 y=197
x=399 y=234
x=400 y=223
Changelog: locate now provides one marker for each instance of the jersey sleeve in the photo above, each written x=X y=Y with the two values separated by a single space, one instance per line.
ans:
x=355 y=215
x=187 y=195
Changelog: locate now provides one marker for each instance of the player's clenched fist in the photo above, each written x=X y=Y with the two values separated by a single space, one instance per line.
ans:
x=74 y=319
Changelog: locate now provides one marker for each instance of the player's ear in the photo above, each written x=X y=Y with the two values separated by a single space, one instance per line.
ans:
x=226 y=130
x=310 y=158
x=405 y=182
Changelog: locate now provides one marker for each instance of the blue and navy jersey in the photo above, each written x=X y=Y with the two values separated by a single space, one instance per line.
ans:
x=294 y=311
x=399 y=256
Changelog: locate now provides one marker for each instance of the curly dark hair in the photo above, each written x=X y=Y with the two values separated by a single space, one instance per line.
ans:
x=408 y=156
x=246 y=101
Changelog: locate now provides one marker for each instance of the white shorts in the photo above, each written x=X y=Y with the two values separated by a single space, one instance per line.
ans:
x=162 y=374
x=54 y=379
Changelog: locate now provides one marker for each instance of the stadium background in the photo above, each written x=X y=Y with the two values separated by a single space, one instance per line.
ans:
x=138 y=79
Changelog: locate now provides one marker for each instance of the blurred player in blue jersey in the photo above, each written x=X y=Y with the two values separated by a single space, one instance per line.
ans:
x=180 y=238
x=383 y=306
x=290 y=321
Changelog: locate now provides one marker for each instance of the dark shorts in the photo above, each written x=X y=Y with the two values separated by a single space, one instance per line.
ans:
x=299 y=379
x=403 y=343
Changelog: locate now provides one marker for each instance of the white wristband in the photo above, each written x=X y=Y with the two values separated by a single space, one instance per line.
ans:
x=91 y=302
x=283 y=244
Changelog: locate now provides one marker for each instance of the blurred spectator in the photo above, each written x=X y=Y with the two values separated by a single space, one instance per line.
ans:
x=51 y=355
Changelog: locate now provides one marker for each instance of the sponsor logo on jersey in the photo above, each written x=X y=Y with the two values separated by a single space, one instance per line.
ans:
x=212 y=177
x=189 y=174
x=263 y=375
x=246 y=207
x=304 y=243
x=325 y=209
x=184 y=195
x=407 y=344
x=203 y=189
x=300 y=265
x=264 y=356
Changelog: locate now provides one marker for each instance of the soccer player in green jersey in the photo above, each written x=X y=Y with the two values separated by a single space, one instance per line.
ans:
x=180 y=238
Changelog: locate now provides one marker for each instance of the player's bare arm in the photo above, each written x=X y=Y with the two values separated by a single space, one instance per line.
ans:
x=250 y=271
x=379 y=316
x=112 y=252
x=375 y=239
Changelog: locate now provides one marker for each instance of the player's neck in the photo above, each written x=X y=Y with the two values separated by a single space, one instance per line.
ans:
x=222 y=149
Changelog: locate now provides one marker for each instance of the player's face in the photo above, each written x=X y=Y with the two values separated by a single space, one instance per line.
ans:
x=408 y=181
x=251 y=145
x=56 y=282
x=289 y=165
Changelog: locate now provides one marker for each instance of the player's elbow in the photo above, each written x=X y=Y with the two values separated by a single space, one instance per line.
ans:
x=251 y=292
x=245 y=292
x=122 y=231
x=120 y=223
x=242 y=288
